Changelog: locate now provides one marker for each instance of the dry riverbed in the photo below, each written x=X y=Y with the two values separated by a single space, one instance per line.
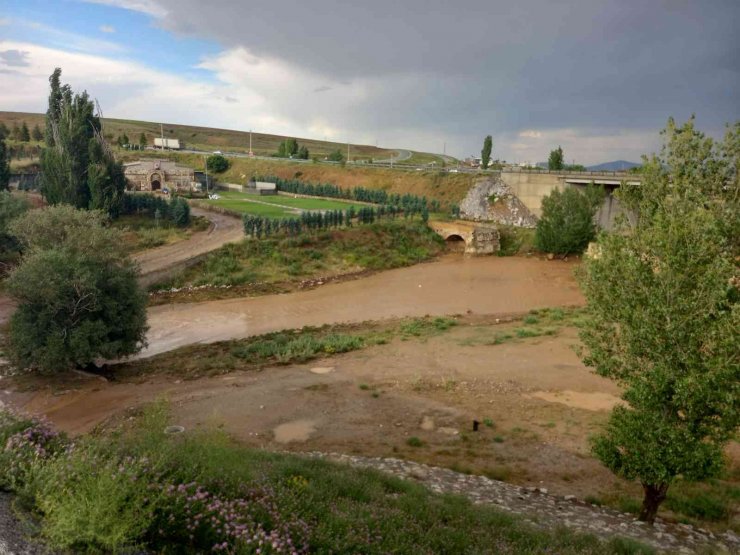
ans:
x=412 y=397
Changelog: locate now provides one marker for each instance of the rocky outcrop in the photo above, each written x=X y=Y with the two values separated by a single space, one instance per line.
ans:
x=492 y=200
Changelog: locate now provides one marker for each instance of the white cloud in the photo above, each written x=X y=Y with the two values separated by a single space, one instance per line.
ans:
x=72 y=41
x=272 y=96
x=107 y=28
x=148 y=7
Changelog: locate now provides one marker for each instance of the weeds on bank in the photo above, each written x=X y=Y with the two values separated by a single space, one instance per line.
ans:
x=285 y=347
x=710 y=504
x=538 y=323
x=378 y=246
x=140 y=489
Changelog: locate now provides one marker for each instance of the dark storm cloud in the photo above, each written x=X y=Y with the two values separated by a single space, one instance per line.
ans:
x=529 y=63
x=477 y=66
x=15 y=58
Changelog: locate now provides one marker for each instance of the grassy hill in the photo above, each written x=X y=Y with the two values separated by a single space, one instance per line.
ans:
x=445 y=187
x=206 y=138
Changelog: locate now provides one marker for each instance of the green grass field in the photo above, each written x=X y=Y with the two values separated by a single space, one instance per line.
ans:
x=245 y=203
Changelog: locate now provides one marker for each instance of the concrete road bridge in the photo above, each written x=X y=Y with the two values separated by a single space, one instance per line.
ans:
x=468 y=237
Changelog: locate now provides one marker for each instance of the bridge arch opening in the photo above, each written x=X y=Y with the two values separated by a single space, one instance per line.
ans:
x=455 y=243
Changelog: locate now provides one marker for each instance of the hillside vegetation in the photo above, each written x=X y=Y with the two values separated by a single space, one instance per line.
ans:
x=447 y=188
x=140 y=488
x=206 y=138
x=280 y=263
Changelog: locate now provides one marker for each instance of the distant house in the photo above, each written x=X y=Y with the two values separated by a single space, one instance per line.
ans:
x=172 y=144
x=261 y=188
x=155 y=175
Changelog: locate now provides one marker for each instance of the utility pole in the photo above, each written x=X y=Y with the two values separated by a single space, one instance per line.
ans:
x=161 y=134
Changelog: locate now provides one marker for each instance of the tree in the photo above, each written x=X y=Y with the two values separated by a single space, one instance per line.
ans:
x=15 y=134
x=77 y=292
x=555 y=162
x=180 y=212
x=303 y=153
x=142 y=141
x=77 y=167
x=4 y=131
x=36 y=133
x=485 y=154
x=106 y=180
x=25 y=134
x=664 y=316
x=288 y=149
x=4 y=165
x=567 y=222
x=11 y=207
x=217 y=163
x=336 y=156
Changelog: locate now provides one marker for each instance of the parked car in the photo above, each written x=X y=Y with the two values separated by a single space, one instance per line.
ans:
x=214 y=196
x=218 y=152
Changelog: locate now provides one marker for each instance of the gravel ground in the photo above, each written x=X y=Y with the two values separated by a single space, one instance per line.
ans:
x=12 y=539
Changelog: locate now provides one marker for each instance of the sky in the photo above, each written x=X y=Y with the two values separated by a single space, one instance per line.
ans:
x=598 y=77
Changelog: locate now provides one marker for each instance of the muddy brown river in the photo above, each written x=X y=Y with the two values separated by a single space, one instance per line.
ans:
x=450 y=285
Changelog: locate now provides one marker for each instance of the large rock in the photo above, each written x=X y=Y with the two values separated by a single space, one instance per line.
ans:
x=492 y=200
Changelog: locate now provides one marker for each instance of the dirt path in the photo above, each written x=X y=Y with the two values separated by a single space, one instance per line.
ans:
x=450 y=285
x=159 y=262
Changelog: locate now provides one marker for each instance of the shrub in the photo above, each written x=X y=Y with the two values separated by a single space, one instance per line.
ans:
x=217 y=163
x=77 y=293
x=92 y=500
x=180 y=212
x=567 y=223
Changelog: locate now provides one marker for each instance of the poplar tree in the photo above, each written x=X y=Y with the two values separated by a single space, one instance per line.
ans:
x=485 y=154
x=663 y=295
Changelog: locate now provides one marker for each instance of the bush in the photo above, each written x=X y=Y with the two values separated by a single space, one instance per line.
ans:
x=217 y=163
x=567 y=223
x=77 y=292
x=180 y=212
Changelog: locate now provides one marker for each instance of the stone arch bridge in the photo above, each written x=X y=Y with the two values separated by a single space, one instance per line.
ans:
x=469 y=237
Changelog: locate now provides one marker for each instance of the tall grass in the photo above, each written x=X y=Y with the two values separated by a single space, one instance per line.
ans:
x=137 y=488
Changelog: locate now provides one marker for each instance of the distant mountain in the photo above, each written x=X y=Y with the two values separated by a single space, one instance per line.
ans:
x=616 y=166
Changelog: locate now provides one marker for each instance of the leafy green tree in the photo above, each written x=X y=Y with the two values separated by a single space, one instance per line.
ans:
x=336 y=156
x=485 y=154
x=575 y=167
x=288 y=149
x=303 y=153
x=4 y=165
x=11 y=207
x=665 y=321
x=142 y=141
x=217 y=163
x=106 y=180
x=77 y=292
x=77 y=167
x=555 y=161
x=36 y=133
x=58 y=94
x=567 y=222
x=15 y=134
x=180 y=212
x=4 y=131
x=25 y=134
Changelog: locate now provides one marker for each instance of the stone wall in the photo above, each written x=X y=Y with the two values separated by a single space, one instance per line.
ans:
x=492 y=200
x=146 y=174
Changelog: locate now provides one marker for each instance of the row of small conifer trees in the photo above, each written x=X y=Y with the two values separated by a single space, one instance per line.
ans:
x=259 y=226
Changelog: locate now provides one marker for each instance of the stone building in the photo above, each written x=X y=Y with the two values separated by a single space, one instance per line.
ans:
x=155 y=175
